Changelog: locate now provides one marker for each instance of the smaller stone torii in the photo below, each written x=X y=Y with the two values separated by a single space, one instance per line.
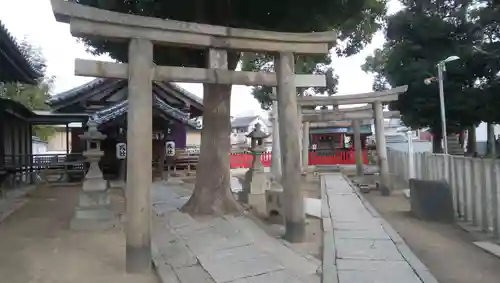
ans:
x=375 y=111
x=142 y=33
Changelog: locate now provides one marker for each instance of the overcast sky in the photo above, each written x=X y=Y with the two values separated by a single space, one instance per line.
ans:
x=34 y=19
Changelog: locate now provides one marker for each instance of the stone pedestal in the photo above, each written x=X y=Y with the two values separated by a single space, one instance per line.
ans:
x=94 y=211
x=256 y=184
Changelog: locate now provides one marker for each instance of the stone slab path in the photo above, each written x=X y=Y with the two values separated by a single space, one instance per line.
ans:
x=359 y=245
x=219 y=249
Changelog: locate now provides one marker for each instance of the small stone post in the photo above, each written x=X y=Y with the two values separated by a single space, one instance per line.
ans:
x=256 y=181
x=385 y=181
x=94 y=210
x=358 y=153
x=411 y=160
x=305 y=146
x=299 y=136
x=295 y=220
x=276 y=149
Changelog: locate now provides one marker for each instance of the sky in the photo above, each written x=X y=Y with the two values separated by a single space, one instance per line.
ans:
x=60 y=49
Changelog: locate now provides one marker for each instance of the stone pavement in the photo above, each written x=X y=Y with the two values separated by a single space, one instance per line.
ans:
x=219 y=249
x=359 y=245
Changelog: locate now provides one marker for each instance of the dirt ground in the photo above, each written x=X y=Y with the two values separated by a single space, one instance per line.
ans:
x=445 y=249
x=36 y=244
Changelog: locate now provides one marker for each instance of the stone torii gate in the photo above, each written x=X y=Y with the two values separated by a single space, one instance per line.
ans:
x=354 y=114
x=142 y=33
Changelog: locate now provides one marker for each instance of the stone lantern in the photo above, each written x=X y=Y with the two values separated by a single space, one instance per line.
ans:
x=94 y=210
x=256 y=182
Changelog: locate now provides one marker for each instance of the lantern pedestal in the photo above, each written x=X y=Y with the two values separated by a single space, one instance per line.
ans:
x=256 y=184
x=94 y=211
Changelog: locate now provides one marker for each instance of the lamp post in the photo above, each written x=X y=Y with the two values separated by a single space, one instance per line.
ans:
x=441 y=66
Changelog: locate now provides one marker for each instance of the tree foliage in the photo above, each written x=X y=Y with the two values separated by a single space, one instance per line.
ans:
x=303 y=65
x=32 y=96
x=424 y=33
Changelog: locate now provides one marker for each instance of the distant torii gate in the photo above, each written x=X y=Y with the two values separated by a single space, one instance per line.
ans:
x=141 y=33
x=354 y=114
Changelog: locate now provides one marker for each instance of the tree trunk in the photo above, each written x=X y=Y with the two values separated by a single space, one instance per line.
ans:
x=471 y=141
x=461 y=139
x=212 y=192
x=436 y=143
x=491 y=143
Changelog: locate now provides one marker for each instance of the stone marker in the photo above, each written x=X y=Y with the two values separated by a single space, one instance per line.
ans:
x=431 y=200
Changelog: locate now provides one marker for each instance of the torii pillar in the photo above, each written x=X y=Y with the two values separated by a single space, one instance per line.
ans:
x=358 y=153
x=385 y=184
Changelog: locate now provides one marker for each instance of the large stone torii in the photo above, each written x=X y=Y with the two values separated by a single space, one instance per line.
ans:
x=142 y=33
x=375 y=111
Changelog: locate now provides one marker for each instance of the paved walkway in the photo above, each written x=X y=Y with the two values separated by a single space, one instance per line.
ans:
x=359 y=245
x=219 y=249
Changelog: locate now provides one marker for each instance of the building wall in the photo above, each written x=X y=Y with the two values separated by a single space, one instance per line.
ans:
x=193 y=137
x=239 y=134
x=39 y=147
x=57 y=142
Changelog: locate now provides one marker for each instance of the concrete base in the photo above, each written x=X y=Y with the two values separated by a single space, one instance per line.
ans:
x=94 y=212
x=274 y=205
x=93 y=225
x=94 y=184
x=257 y=202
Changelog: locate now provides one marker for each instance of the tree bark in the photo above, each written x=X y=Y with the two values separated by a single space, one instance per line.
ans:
x=471 y=140
x=212 y=193
x=491 y=143
x=436 y=143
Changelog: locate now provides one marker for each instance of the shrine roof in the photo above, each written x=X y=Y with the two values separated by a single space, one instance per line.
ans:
x=120 y=108
x=15 y=65
x=105 y=86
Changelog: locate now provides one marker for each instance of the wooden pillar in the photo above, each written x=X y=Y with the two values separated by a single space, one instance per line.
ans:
x=299 y=135
x=381 y=149
x=31 y=179
x=289 y=124
x=358 y=151
x=276 y=153
x=13 y=142
x=139 y=156
x=305 y=145
x=2 y=138
x=67 y=138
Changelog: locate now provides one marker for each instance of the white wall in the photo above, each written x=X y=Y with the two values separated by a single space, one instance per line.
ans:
x=482 y=132
x=39 y=147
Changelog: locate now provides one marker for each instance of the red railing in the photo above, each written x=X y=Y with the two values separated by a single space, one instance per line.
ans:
x=346 y=156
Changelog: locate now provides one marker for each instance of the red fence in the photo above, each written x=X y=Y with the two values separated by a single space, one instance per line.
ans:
x=244 y=160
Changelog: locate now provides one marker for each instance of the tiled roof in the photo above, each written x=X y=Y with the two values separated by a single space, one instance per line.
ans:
x=54 y=99
x=244 y=121
x=21 y=62
x=75 y=92
x=120 y=108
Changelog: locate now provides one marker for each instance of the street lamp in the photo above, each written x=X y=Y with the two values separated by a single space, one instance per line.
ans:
x=441 y=66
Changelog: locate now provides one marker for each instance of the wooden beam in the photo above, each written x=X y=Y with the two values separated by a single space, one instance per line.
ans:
x=326 y=111
x=345 y=115
x=335 y=124
x=360 y=98
x=89 y=21
x=102 y=69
